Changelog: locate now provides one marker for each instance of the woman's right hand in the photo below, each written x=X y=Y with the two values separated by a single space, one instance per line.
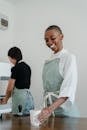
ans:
x=44 y=115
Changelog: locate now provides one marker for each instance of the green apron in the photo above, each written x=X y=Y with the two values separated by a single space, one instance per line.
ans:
x=23 y=98
x=52 y=81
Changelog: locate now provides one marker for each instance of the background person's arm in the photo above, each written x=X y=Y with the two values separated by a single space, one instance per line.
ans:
x=9 y=90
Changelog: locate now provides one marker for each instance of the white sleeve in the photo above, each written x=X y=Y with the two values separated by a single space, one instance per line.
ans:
x=69 y=83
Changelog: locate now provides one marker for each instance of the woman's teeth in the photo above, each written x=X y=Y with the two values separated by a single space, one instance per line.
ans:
x=52 y=46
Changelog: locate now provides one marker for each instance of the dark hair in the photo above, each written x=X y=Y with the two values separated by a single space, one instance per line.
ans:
x=57 y=28
x=15 y=53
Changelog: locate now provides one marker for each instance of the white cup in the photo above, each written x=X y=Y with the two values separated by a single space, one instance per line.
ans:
x=34 y=117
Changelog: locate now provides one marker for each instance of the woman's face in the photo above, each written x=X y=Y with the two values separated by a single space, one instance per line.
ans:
x=13 y=61
x=53 y=40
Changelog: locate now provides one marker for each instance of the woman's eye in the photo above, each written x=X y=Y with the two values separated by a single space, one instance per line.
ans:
x=53 y=38
x=46 y=41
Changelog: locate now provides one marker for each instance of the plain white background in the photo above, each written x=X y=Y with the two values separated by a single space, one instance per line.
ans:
x=28 y=20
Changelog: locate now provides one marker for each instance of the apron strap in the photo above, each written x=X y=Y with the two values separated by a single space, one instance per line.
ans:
x=49 y=97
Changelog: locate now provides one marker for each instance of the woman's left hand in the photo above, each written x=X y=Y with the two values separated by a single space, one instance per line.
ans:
x=4 y=101
x=0 y=101
x=44 y=115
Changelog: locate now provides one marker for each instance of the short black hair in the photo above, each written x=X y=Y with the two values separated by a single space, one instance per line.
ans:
x=57 y=28
x=15 y=53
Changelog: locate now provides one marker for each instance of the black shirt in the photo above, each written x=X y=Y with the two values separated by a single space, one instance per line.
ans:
x=21 y=72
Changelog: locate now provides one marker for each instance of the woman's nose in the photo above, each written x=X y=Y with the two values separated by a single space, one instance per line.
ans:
x=50 y=42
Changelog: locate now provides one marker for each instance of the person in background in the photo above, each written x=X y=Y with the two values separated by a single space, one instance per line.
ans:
x=59 y=78
x=19 y=84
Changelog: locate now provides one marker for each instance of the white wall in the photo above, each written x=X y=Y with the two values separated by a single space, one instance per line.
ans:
x=31 y=19
x=6 y=36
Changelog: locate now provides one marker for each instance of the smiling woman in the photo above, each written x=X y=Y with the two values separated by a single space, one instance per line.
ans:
x=59 y=78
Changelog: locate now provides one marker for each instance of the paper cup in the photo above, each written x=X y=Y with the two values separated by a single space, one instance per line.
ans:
x=34 y=117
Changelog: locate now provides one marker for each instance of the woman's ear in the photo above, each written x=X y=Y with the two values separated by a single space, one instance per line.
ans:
x=61 y=36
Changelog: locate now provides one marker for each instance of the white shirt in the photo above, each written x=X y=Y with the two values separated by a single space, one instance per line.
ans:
x=68 y=70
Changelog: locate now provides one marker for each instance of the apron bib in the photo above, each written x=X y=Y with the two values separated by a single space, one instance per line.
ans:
x=52 y=81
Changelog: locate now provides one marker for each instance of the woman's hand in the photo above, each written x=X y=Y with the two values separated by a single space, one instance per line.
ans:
x=0 y=101
x=44 y=115
x=4 y=101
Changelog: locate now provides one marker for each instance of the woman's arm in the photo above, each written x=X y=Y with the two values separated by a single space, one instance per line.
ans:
x=46 y=112
x=9 y=90
x=57 y=103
